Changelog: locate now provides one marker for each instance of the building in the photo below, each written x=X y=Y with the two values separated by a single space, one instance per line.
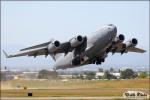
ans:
x=9 y=74
x=99 y=74
x=117 y=74
x=29 y=75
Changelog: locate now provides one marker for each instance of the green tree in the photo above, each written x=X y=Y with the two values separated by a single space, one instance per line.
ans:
x=45 y=74
x=111 y=69
x=142 y=75
x=100 y=77
x=128 y=74
x=109 y=76
x=100 y=69
x=81 y=76
x=90 y=75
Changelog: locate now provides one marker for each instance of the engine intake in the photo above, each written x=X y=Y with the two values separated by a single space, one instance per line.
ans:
x=119 y=38
x=79 y=38
x=76 y=41
x=131 y=43
x=134 y=41
x=53 y=46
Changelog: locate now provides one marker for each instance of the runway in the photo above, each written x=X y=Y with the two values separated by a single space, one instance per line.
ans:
x=62 y=98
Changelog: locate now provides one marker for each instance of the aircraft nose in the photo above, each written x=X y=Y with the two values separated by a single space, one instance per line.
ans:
x=115 y=29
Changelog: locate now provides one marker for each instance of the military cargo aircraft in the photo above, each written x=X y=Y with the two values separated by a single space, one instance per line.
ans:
x=83 y=50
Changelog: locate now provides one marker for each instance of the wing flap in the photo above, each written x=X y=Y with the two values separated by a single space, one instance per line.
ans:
x=119 y=49
x=134 y=49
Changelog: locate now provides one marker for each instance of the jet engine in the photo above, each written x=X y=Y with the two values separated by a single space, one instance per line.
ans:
x=53 y=46
x=131 y=43
x=119 y=38
x=76 y=41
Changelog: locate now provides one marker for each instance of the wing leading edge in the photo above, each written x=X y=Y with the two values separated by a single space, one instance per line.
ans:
x=52 y=48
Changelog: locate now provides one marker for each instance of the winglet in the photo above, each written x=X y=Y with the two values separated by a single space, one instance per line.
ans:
x=5 y=54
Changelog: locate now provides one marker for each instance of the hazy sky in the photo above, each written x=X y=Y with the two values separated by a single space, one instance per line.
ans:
x=28 y=23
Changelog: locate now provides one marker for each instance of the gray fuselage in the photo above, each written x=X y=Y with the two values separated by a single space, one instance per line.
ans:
x=97 y=43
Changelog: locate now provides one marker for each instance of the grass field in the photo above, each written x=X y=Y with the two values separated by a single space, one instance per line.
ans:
x=56 y=88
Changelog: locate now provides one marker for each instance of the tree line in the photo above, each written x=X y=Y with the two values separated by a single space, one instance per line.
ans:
x=125 y=74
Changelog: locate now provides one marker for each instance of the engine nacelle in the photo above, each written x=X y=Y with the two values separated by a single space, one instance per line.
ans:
x=131 y=43
x=53 y=46
x=76 y=41
x=119 y=38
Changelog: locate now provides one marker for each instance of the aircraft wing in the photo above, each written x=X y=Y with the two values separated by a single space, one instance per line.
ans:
x=120 y=49
x=43 y=49
x=33 y=52
x=135 y=49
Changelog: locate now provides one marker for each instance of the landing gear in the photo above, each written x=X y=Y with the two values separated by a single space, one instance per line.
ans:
x=103 y=60
x=93 y=62
x=108 y=49
x=98 y=61
x=76 y=61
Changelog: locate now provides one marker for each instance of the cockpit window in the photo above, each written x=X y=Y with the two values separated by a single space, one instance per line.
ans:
x=110 y=24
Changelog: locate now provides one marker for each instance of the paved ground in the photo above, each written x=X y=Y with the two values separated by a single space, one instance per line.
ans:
x=62 y=98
